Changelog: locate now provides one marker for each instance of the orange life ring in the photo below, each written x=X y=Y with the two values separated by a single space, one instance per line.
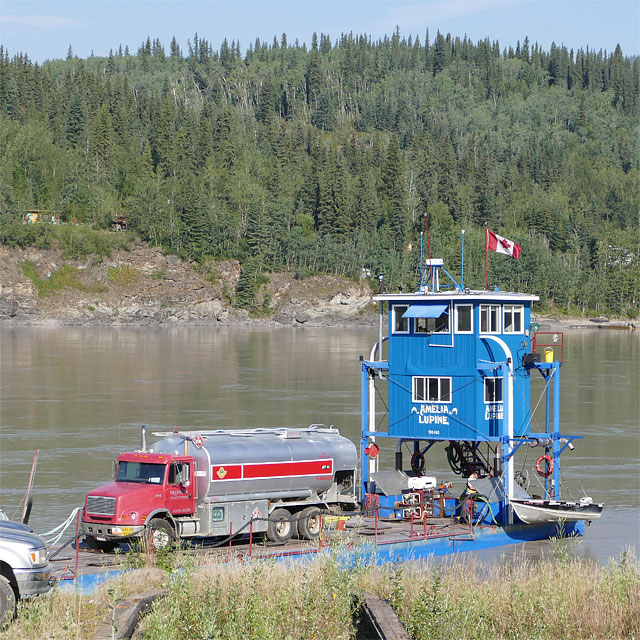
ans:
x=417 y=463
x=548 y=470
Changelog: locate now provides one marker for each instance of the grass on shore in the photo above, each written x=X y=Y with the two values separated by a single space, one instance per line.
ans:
x=556 y=598
x=66 y=276
x=543 y=600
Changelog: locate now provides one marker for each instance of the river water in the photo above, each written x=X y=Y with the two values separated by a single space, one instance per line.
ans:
x=79 y=395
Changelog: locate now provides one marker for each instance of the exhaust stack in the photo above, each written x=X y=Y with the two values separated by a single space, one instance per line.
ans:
x=143 y=437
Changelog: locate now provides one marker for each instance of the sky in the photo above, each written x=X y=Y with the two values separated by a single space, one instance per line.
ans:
x=44 y=29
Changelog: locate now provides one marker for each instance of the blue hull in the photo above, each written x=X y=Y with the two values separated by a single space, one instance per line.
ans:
x=485 y=538
x=370 y=553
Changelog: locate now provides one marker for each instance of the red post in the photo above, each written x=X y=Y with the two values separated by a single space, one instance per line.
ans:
x=75 y=572
x=375 y=530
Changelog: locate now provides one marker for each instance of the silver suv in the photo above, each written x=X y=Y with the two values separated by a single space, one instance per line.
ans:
x=24 y=567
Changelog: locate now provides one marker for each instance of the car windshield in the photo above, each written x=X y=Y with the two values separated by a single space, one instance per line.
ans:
x=145 y=472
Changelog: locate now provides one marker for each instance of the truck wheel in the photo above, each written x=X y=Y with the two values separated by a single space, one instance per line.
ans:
x=104 y=546
x=309 y=523
x=280 y=527
x=160 y=534
x=7 y=602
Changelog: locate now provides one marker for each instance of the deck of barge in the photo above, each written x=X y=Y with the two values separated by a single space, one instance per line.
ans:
x=366 y=540
x=69 y=562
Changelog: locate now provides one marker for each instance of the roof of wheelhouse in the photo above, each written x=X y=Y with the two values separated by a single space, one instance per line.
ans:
x=457 y=296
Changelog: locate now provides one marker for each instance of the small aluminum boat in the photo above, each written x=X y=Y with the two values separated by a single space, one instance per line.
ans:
x=532 y=511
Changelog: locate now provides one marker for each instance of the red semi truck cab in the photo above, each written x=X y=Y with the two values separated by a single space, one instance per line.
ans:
x=146 y=486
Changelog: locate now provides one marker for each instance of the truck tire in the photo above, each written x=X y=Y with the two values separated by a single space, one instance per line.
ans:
x=309 y=523
x=280 y=527
x=160 y=534
x=7 y=602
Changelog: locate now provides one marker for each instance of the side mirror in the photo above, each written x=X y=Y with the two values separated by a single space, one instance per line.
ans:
x=186 y=484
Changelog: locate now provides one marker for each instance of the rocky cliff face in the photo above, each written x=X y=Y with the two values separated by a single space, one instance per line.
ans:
x=144 y=286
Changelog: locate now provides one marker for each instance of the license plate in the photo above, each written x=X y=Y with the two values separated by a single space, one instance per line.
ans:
x=126 y=531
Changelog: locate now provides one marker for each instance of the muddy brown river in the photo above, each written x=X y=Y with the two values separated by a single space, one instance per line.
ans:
x=79 y=395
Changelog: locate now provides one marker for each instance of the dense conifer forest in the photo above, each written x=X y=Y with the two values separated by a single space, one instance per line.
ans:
x=328 y=158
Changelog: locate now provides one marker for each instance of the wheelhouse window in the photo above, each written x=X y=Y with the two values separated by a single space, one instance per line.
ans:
x=489 y=318
x=433 y=325
x=400 y=324
x=464 y=318
x=431 y=389
x=492 y=390
x=142 y=472
x=513 y=318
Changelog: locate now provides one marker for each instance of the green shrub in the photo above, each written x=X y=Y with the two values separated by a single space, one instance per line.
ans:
x=159 y=274
x=66 y=276
x=123 y=276
x=78 y=242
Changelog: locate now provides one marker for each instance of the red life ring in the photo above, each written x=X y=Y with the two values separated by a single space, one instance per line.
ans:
x=372 y=450
x=417 y=463
x=548 y=470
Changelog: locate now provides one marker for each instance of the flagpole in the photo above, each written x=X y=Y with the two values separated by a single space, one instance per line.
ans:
x=462 y=268
x=486 y=251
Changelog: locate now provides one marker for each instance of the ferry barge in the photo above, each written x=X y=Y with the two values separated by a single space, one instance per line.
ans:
x=453 y=368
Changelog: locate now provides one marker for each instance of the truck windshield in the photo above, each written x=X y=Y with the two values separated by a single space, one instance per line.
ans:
x=146 y=472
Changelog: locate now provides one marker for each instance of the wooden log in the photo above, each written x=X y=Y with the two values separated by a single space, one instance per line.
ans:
x=121 y=624
x=382 y=620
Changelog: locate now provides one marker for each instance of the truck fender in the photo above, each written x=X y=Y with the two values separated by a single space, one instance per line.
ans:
x=165 y=515
x=12 y=558
x=7 y=571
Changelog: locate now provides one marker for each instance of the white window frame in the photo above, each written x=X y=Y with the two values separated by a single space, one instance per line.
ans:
x=459 y=306
x=498 y=317
x=513 y=309
x=486 y=401
x=446 y=313
x=395 y=310
x=425 y=385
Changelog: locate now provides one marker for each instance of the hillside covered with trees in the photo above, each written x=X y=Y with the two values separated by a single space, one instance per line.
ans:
x=326 y=158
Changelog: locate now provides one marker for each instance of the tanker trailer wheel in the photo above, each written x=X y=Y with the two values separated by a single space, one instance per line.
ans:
x=309 y=523
x=160 y=534
x=280 y=527
x=7 y=602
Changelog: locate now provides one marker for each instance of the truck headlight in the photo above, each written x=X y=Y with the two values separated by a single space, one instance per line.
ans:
x=38 y=556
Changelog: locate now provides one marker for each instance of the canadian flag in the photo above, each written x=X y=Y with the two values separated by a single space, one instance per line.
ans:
x=502 y=245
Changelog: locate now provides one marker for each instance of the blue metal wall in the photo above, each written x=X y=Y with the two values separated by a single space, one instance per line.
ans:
x=467 y=416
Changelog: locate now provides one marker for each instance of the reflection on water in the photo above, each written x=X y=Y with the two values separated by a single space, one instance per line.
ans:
x=80 y=395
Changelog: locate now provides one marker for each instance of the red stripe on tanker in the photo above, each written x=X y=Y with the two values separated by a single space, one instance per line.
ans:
x=226 y=472
x=265 y=470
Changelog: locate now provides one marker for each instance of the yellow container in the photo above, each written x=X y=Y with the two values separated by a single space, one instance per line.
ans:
x=548 y=354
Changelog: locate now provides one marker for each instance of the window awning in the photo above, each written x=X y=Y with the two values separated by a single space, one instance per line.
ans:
x=425 y=310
